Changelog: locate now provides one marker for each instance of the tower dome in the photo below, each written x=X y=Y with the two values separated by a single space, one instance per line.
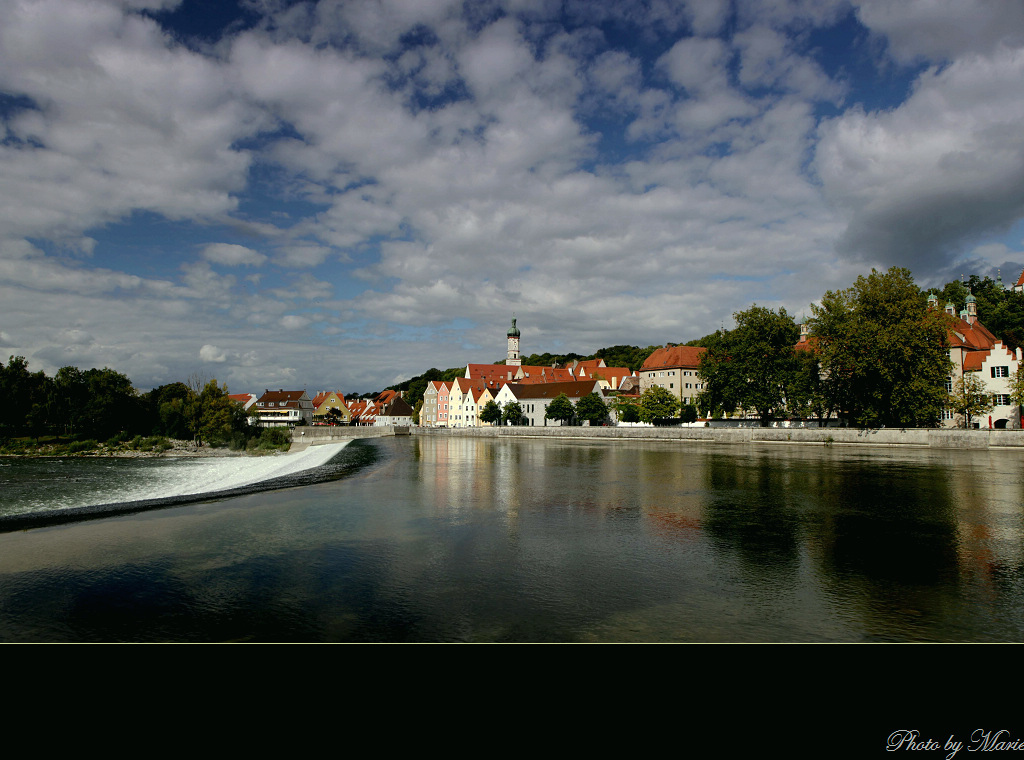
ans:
x=512 y=357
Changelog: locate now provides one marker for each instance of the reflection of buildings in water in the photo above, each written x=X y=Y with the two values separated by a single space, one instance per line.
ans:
x=988 y=494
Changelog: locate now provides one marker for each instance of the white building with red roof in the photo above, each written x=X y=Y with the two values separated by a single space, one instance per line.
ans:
x=973 y=348
x=535 y=397
x=282 y=408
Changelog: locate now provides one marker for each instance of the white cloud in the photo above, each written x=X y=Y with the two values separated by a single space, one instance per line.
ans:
x=945 y=168
x=944 y=29
x=233 y=255
x=210 y=353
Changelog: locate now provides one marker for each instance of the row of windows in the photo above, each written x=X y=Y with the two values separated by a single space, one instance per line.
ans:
x=670 y=373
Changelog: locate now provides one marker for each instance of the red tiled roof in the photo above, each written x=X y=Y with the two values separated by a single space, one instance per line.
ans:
x=531 y=374
x=574 y=389
x=287 y=399
x=613 y=375
x=588 y=364
x=675 y=356
x=976 y=336
x=466 y=384
x=973 y=360
x=494 y=374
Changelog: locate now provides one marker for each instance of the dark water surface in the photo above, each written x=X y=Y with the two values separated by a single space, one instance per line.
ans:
x=461 y=539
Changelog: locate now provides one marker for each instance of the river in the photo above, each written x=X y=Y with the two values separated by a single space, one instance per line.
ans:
x=449 y=539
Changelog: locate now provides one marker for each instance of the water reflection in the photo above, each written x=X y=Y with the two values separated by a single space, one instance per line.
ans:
x=463 y=539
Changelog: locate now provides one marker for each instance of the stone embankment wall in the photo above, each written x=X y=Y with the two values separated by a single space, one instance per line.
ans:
x=938 y=438
x=327 y=433
x=943 y=439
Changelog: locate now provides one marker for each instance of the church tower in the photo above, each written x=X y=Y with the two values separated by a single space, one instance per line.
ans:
x=512 y=358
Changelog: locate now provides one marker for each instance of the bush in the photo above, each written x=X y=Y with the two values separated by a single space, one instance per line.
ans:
x=79 y=446
x=117 y=439
x=275 y=438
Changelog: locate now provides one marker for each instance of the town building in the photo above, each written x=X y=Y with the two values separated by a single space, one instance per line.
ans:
x=674 y=368
x=391 y=409
x=324 y=402
x=973 y=348
x=534 y=398
x=283 y=408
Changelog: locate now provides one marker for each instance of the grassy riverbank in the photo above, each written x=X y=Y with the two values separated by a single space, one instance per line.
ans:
x=268 y=441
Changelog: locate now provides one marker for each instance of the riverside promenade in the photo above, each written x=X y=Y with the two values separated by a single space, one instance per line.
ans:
x=936 y=438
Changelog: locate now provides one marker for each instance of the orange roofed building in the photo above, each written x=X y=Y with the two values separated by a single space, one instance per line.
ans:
x=674 y=368
x=973 y=348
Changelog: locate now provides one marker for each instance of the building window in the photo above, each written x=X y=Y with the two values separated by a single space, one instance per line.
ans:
x=1000 y=372
x=947 y=414
x=1001 y=399
x=949 y=385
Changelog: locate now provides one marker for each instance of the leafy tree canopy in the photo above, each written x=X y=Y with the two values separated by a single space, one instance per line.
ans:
x=969 y=398
x=512 y=413
x=885 y=353
x=560 y=408
x=752 y=365
x=656 y=403
x=592 y=408
x=491 y=413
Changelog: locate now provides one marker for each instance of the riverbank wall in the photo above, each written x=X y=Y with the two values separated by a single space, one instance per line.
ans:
x=927 y=438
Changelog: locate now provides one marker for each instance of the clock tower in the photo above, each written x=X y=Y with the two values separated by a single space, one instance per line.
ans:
x=512 y=358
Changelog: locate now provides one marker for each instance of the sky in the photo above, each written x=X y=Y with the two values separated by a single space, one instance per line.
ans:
x=343 y=194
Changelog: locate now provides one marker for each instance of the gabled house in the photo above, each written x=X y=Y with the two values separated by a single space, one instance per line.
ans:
x=363 y=411
x=464 y=407
x=973 y=348
x=283 y=408
x=324 y=402
x=391 y=409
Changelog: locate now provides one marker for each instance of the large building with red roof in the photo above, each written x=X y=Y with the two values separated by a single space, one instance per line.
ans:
x=674 y=368
x=284 y=408
x=973 y=348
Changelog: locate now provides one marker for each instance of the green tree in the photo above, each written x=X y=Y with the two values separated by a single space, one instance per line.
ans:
x=114 y=406
x=491 y=413
x=808 y=393
x=512 y=413
x=752 y=365
x=169 y=410
x=626 y=410
x=969 y=397
x=656 y=403
x=560 y=409
x=72 y=398
x=688 y=413
x=1016 y=382
x=592 y=408
x=884 y=354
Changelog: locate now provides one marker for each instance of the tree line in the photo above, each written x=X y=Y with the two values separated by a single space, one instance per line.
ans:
x=103 y=405
x=877 y=356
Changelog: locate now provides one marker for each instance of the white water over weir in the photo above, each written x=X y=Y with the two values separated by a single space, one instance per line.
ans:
x=63 y=490
x=191 y=477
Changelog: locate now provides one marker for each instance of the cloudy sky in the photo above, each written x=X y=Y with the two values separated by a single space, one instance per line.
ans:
x=342 y=194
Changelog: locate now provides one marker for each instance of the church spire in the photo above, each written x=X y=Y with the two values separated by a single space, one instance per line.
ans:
x=512 y=358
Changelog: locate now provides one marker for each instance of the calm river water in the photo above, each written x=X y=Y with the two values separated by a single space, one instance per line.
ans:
x=450 y=539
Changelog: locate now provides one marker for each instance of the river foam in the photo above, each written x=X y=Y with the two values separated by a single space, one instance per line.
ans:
x=190 y=477
x=63 y=490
